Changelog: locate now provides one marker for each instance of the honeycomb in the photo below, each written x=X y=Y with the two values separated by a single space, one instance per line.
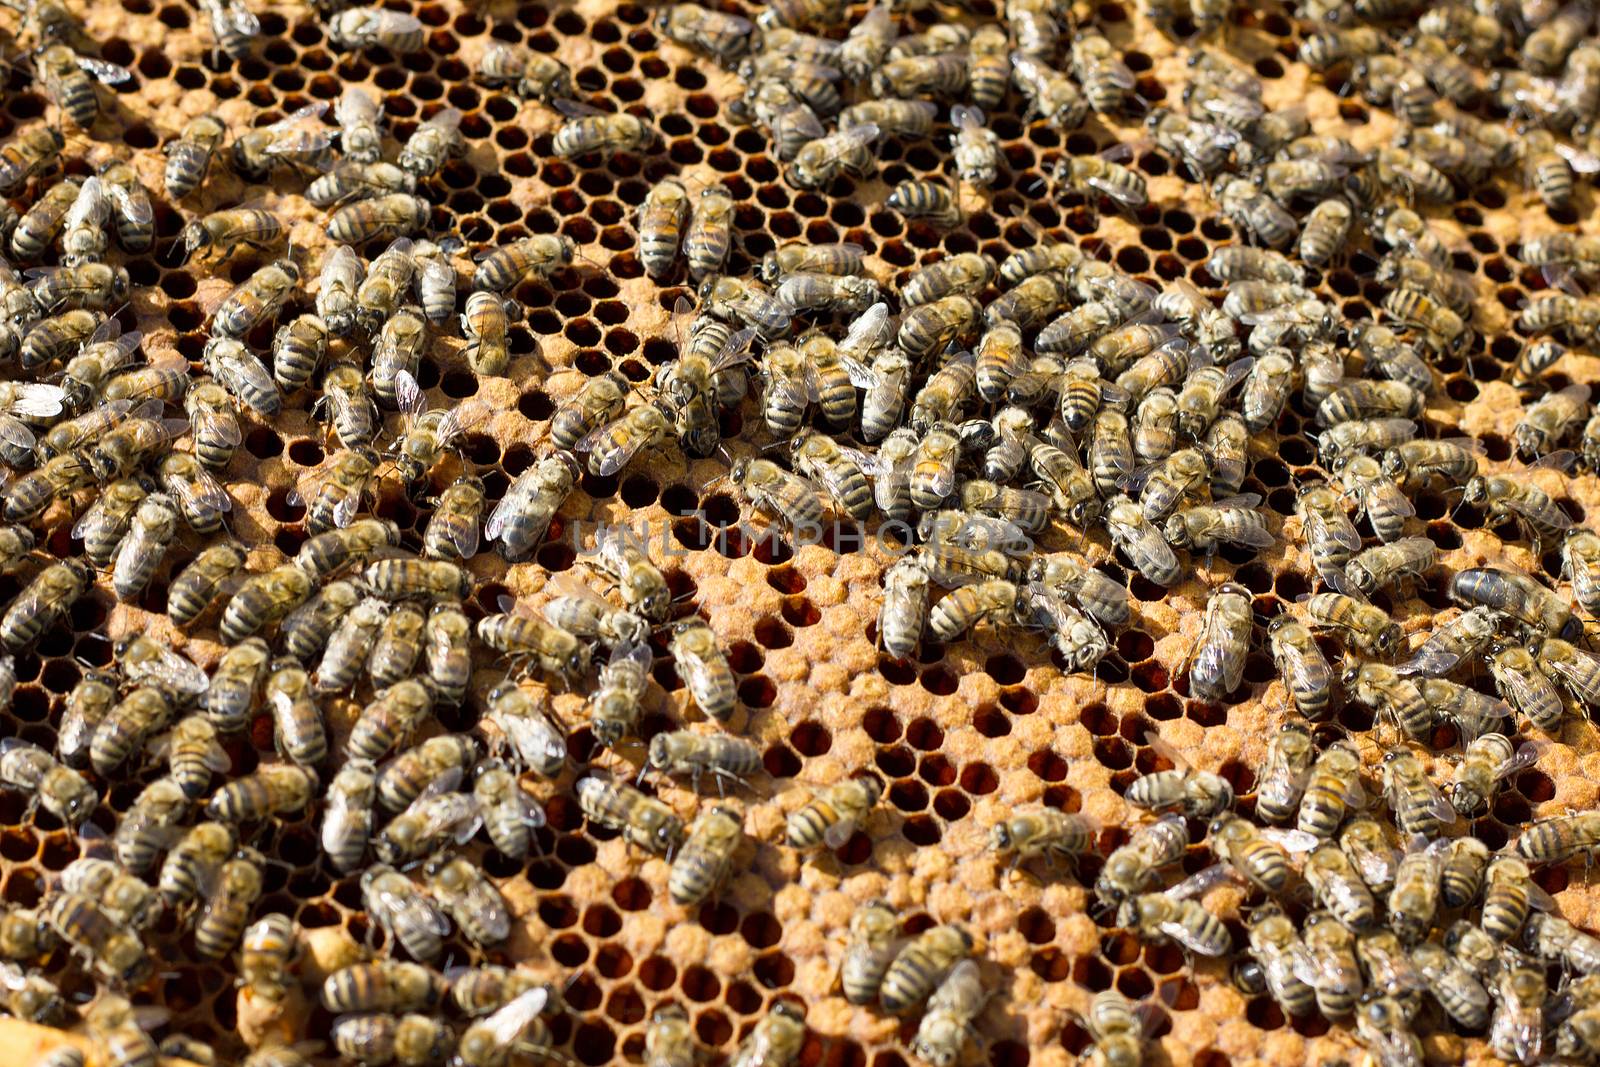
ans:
x=961 y=734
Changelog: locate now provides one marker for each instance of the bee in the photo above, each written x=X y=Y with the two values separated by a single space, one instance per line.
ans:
x=193 y=755
x=722 y=36
x=212 y=423
x=429 y=823
x=146 y=828
x=1155 y=428
x=1337 y=886
x=104 y=526
x=1515 y=594
x=378 y=218
x=1553 y=420
x=58 y=789
x=51 y=339
x=1102 y=175
x=307 y=628
x=1487 y=760
x=264 y=599
x=1504 y=497
x=1276 y=948
x=1118 y=1030
x=613 y=446
x=615 y=703
x=1051 y=95
x=68 y=80
x=374 y=27
x=84 y=238
x=1163 y=917
x=31 y=151
x=44 y=602
x=1393 y=695
x=383 y=986
x=1141 y=542
x=389 y=718
x=1559 y=838
x=301 y=735
x=114 y=951
x=227 y=911
x=1258 y=858
x=359 y=135
x=525 y=722
x=1507 y=897
x=39 y=226
x=340 y=280
x=1383 y=1025
x=1576 y=670
x=230 y=695
x=1377 y=567
x=406 y=1039
x=437 y=762
x=416 y=579
x=272 y=789
x=330 y=552
x=334 y=494
x=201 y=501
x=1461 y=872
x=1580 y=564
x=535 y=76
x=1216 y=665
x=1254 y=212
x=1305 y=670
x=1554 y=938
x=509 y=814
x=154 y=526
x=396 y=359
x=543 y=254
x=929 y=200
x=553 y=649
x=833 y=814
x=1516 y=1032
x=1324 y=232
x=644 y=821
x=89 y=702
x=1134 y=865
x=468 y=897
x=775 y=491
x=348 y=822
x=1414 y=463
x=1520 y=679
x=704 y=668
x=1332 y=791
x=966 y=607
x=706 y=858
x=660 y=226
x=1334 y=971
x=410 y=917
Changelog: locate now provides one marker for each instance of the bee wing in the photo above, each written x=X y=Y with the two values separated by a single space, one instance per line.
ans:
x=202 y=492
x=294 y=118
x=796 y=122
x=1178 y=932
x=963 y=117
x=1132 y=482
x=16 y=434
x=1579 y=160
x=244 y=20
x=576 y=109
x=109 y=73
x=1121 y=194
x=508 y=1023
x=1562 y=459
x=448 y=119
x=1204 y=881
x=433 y=272
x=135 y=208
x=869 y=332
x=566 y=583
x=840 y=832
x=535 y=737
x=734 y=351
x=1294 y=842
x=515 y=499
x=219 y=426
x=414 y=905
x=1526 y=756
x=632 y=444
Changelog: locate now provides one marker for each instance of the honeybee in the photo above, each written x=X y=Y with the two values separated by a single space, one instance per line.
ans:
x=380 y=217
x=502 y=267
x=227 y=910
x=410 y=917
x=1141 y=542
x=1253 y=211
x=591 y=131
x=706 y=858
x=833 y=814
x=964 y=608
x=105 y=524
x=1132 y=866
x=264 y=599
x=298 y=349
x=201 y=500
x=644 y=821
x=374 y=27
x=1516 y=1032
x=384 y=986
x=1463 y=862
x=58 y=789
x=1332 y=791
x=468 y=897
x=553 y=649
x=433 y=142
x=149 y=823
x=44 y=602
x=613 y=446
x=1504 y=497
x=307 y=629
x=1393 y=695
x=273 y=789
x=1416 y=463
x=66 y=79
x=334 y=495
x=300 y=733
x=430 y=822
x=525 y=721
x=29 y=152
x=38 y=227
x=536 y=76
x=89 y=702
x=1172 y=916
x=406 y=1039
x=1553 y=938
x=154 y=526
x=1523 y=683
x=230 y=694
x=360 y=138
x=1487 y=760
x=1332 y=968
x=396 y=359
x=1514 y=594
x=298 y=139
x=52 y=339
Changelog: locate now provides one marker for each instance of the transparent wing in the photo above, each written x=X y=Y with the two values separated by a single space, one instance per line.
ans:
x=109 y=73
x=15 y=433
x=1525 y=756
x=508 y=1023
x=201 y=492
x=1205 y=880
x=171 y=670
x=136 y=208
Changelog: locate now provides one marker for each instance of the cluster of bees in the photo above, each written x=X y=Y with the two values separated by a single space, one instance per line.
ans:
x=977 y=410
